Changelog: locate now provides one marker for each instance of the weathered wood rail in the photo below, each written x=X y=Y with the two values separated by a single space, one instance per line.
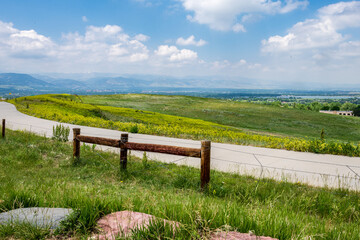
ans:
x=124 y=145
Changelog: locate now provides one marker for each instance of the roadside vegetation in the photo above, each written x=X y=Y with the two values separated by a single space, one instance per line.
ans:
x=199 y=118
x=39 y=172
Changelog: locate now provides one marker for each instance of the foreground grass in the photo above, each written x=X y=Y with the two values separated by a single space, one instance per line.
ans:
x=72 y=109
x=35 y=171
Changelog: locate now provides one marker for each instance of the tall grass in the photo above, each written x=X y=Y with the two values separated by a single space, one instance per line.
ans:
x=38 y=172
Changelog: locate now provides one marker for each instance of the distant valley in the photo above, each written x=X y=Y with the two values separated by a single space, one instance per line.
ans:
x=18 y=84
x=25 y=82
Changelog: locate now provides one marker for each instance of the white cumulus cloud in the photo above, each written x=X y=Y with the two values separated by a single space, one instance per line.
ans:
x=349 y=49
x=175 y=54
x=190 y=41
x=183 y=54
x=238 y=28
x=342 y=15
x=222 y=14
x=166 y=50
x=320 y=32
x=23 y=43
x=242 y=62
x=109 y=33
x=136 y=57
x=108 y=43
x=142 y=37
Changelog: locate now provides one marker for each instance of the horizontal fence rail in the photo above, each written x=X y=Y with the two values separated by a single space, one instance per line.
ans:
x=124 y=145
x=100 y=141
x=181 y=151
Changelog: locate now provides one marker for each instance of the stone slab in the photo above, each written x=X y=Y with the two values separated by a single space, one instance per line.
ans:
x=36 y=216
x=121 y=223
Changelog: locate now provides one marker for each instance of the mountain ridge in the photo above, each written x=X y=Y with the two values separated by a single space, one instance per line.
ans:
x=22 y=80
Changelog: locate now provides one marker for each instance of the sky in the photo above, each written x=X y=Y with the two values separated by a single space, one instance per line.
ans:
x=267 y=43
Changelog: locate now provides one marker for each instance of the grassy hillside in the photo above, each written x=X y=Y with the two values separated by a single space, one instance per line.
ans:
x=39 y=172
x=72 y=109
x=247 y=116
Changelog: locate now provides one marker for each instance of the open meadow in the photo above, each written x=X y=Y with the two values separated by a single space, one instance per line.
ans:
x=201 y=118
x=262 y=119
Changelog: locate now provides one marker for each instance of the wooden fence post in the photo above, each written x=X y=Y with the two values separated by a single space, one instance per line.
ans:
x=123 y=151
x=205 y=163
x=3 y=128
x=76 y=144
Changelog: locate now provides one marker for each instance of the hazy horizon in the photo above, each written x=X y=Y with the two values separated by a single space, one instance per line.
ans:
x=149 y=83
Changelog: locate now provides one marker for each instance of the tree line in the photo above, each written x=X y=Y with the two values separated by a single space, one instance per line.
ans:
x=317 y=106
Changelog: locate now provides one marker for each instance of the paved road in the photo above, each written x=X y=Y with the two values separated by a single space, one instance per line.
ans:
x=314 y=169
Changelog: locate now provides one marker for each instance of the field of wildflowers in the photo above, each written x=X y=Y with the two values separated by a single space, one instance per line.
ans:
x=70 y=109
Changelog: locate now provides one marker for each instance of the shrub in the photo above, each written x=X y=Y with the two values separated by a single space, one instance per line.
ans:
x=61 y=133
x=322 y=135
x=145 y=161
x=134 y=129
x=335 y=106
x=325 y=107
x=357 y=111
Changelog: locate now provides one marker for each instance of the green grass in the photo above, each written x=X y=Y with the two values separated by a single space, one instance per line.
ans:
x=266 y=119
x=23 y=231
x=39 y=172
x=72 y=109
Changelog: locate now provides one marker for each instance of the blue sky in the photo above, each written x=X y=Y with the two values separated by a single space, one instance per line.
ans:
x=270 y=42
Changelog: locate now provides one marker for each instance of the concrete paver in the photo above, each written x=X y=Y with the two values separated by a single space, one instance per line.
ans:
x=36 y=216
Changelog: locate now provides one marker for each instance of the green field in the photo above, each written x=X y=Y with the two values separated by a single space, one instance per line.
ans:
x=39 y=172
x=201 y=118
x=258 y=118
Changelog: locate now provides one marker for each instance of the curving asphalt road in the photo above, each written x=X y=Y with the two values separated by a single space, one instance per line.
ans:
x=314 y=169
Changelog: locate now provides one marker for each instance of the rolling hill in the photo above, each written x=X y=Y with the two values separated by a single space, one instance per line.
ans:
x=16 y=80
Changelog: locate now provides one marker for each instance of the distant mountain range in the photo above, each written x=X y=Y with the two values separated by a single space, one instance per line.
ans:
x=26 y=82
x=41 y=83
x=22 y=81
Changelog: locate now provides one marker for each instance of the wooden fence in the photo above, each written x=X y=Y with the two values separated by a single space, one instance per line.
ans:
x=124 y=145
x=3 y=129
